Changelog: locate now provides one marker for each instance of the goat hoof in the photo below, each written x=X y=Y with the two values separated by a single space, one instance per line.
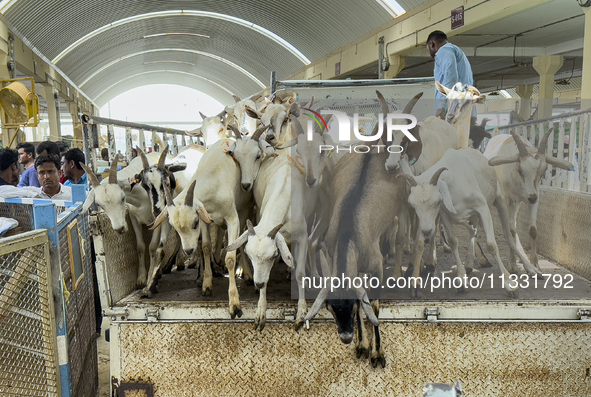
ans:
x=200 y=282
x=206 y=292
x=409 y=271
x=235 y=311
x=378 y=358
x=362 y=352
x=468 y=270
x=249 y=281
x=429 y=269
x=298 y=325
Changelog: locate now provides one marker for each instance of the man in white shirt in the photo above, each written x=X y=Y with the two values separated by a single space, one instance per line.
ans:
x=49 y=173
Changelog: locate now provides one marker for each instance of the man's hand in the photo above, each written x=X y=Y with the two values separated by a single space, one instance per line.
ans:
x=440 y=113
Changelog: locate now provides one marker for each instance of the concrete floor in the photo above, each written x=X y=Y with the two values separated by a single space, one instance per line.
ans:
x=103 y=361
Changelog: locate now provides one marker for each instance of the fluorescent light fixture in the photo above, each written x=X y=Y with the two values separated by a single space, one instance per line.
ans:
x=5 y=5
x=238 y=21
x=165 y=71
x=206 y=54
x=176 y=34
x=153 y=62
x=392 y=7
x=505 y=93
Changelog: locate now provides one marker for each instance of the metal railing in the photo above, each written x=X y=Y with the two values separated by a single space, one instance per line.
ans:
x=28 y=343
x=577 y=127
x=160 y=136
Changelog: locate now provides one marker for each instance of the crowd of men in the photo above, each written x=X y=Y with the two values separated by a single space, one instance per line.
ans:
x=50 y=170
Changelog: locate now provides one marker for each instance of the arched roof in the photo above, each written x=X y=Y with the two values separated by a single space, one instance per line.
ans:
x=105 y=46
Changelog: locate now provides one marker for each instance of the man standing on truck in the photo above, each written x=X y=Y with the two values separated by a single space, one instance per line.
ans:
x=451 y=66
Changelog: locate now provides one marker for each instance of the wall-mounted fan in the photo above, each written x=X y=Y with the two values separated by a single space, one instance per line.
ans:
x=20 y=104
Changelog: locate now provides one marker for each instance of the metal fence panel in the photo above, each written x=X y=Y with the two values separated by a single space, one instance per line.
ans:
x=28 y=352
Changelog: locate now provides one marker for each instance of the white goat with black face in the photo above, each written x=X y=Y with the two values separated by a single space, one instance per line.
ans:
x=461 y=188
x=520 y=167
x=214 y=194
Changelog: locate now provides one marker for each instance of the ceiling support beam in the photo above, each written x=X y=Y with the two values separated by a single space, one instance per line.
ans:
x=397 y=63
x=524 y=92
x=547 y=67
x=411 y=32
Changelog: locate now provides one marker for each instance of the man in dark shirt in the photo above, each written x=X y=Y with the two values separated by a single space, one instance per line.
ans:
x=8 y=167
x=26 y=155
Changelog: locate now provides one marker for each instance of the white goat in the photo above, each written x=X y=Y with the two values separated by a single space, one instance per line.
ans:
x=467 y=186
x=215 y=189
x=115 y=195
x=520 y=167
x=459 y=97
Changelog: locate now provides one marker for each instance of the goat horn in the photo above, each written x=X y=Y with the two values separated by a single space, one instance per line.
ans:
x=91 y=176
x=202 y=116
x=168 y=195
x=161 y=218
x=221 y=114
x=257 y=134
x=436 y=176
x=542 y=146
x=250 y=227
x=383 y=103
x=190 y=194
x=411 y=104
x=113 y=170
x=204 y=215
x=236 y=99
x=235 y=131
x=297 y=125
x=409 y=178
x=520 y=146
x=162 y=158
x=274 y=231
x=145 y=162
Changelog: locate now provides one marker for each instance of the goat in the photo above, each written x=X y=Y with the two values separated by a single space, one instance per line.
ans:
x=115 y=195
x=519 y=167
x=364 y=199
x=467 y=191
x=460 y=97
x=212 y=129
x=478 y=133
x=214 y=194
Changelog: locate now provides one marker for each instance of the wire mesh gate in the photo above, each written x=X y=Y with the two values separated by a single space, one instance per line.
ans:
x=75 y=311
x=28 y=359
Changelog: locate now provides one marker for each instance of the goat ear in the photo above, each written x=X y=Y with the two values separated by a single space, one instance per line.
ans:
x=441 y=88
x=252 y=113
x=500 y=160
x=480 y=99
x=177 y=167
x=238 y=242
x=88 y=202
x=284 y=250
x=295 y=109
x=444 y=191
x=565 y=165
x=266 y=147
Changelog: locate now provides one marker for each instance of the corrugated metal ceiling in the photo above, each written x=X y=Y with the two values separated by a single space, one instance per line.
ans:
x=314 y=28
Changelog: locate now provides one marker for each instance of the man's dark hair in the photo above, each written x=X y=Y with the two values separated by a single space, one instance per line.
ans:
x=8 y=157
x=437 y=36
x=76 y=156
x=62 y=147
x=28 y=147
x=47 y=159
x=51 y=147
x=104 y=153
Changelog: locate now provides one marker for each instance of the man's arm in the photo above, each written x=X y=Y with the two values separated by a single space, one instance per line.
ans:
x=24 y=180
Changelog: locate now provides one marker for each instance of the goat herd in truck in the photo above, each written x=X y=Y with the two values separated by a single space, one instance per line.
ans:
x=262 y=187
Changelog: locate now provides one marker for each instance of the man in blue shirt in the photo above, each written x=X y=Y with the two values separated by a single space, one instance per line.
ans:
x=26 y=156
x=72 y=169
x=451 y=66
